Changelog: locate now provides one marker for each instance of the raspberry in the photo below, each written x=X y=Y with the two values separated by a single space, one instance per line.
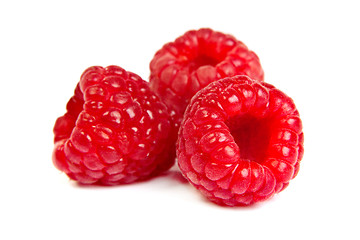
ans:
x=193 y=60
x=115 y=130
x=240 y=141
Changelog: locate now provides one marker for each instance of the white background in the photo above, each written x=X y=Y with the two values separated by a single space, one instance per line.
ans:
x=309 y=49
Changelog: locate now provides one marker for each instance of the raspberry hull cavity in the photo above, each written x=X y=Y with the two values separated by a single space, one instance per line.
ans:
x=240 y=141
x=194 y=60
x=115 y=130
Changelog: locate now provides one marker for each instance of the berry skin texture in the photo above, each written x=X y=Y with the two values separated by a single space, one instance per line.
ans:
x=192 y=61
x=240 y=141
x=115 y=130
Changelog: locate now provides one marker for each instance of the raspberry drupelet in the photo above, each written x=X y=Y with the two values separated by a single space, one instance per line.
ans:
x=240 y=141
x=192 y=61
x=115 y=130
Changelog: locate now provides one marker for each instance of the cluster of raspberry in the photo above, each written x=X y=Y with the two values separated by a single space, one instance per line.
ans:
x=237 y=139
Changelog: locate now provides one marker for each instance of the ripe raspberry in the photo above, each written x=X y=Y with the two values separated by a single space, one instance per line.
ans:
x=240 y=142
x=192 y=61
x=115 y=130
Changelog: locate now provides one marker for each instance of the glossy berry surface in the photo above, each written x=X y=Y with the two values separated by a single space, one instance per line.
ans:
x=240 y=141
x=192 y=61
x=115 y=130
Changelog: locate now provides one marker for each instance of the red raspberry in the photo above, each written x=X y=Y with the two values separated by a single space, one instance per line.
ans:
x=115 y=130
x=192 y=61
x=240 y=142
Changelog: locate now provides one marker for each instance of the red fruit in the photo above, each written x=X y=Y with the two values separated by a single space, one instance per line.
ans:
x=194 y=60
x=240 y=141
x=115 y=130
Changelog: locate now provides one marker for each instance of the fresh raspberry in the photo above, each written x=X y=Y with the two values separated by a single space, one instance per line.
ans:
x=240 y=141
x=193 y=60
x=115 y=130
